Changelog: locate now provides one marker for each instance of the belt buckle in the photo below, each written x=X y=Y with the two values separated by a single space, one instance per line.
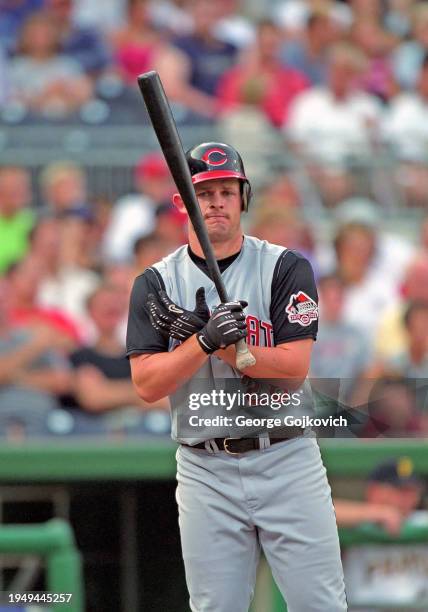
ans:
x=229 y=452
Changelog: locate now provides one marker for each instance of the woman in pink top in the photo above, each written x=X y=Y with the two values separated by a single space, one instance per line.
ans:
x=137 y=44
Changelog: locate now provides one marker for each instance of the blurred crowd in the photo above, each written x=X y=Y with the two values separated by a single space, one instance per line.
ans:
x=67 y=268
x=337 y=81
x=335 y=85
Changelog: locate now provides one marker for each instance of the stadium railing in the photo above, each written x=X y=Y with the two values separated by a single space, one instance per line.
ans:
x=54 y=541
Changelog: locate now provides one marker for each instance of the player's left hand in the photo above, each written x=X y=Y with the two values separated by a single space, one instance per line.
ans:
x=172 y=321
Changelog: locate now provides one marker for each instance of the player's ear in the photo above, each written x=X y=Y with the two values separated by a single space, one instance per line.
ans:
x=178 y=203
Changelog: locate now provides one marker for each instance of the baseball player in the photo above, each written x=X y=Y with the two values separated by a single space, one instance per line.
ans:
x=236 y=494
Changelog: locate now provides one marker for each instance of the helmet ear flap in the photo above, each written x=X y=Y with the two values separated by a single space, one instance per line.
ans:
x=246 y=195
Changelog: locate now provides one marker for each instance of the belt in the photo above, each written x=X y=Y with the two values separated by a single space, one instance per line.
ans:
x=236 y=446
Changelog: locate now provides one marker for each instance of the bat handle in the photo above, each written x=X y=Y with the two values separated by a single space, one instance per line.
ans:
x=244 y=358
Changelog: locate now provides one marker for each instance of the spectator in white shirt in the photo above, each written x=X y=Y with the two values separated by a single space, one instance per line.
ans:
x=362 y=257
x=405 y=129
x=332 y=126
x=406 y=124
x=134 y=215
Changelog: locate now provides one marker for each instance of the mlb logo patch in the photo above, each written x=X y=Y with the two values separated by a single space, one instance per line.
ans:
x=302 y=309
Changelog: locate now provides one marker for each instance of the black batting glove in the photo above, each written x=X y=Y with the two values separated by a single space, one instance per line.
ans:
x=226 y=326
x=172 y=321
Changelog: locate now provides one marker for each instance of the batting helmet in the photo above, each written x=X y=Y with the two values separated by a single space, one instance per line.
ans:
x=216 y=160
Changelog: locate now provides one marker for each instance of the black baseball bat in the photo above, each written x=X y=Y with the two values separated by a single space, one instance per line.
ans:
x=167 y=134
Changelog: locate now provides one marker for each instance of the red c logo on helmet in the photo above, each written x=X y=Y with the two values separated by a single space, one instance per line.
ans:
x=219 y=162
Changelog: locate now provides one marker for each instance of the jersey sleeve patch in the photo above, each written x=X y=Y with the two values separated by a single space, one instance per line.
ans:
x=301 y=309
x=294 y=299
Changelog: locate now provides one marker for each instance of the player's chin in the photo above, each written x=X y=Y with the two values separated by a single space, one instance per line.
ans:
x=218 y=231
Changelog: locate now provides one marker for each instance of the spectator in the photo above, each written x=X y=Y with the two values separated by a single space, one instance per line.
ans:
x=283 y=227
x=137 y=44
x=13 y=14
x=333 y=126
x=388 y=245
x=369 y=36
x=148 y=250
x=405 y=128
x=280 y=192
x=398 y=17
x=171 y=226
x=292 y=15
x=66 y=285
x=393 y=410
x=393 y=575
x=24 y=279
x=33 y=370
x=362 y=258
x=424 y=235
x=134 y=215
x=41 y=78
x=171 y=17
x=16 y=218
x=405 y=125
x=63 y=186
x=408 y=57
x=308 y=54
x=391 y=337
x=84 y=45
x=4 y=78
x=232 y=27
x=102 y=372
x=78 y=242
x=365 y=290
x=392 y=494
x=260 y=79
x=119 y=276
x=87 y=14
x=413 y=362
x=192 y=69
x=341 y=353
x=371 y=10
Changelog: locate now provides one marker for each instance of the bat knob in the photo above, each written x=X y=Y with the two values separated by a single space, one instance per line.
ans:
x=244 y=359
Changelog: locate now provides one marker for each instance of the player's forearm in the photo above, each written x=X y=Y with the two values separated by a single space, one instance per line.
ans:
x=161 y=374
x=271 y=362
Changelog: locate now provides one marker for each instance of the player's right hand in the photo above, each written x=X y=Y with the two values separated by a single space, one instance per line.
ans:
x=173 y=321
x=225 y=326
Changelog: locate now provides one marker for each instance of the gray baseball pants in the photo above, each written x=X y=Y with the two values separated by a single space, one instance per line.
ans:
x=277 y=499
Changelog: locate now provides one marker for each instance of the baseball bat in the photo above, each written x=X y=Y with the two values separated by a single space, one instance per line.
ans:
x=167 y=134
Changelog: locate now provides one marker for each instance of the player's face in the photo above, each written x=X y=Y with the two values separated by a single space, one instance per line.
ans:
x=220 y=201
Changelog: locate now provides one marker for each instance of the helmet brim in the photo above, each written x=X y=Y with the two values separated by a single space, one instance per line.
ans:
x=217 y=174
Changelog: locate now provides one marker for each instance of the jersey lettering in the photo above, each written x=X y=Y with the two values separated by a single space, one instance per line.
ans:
x=268 y=332
x=253 y=331
x=259 y=333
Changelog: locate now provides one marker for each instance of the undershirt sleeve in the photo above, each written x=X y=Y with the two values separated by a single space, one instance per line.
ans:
x=141 y=337
x=294 y=299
